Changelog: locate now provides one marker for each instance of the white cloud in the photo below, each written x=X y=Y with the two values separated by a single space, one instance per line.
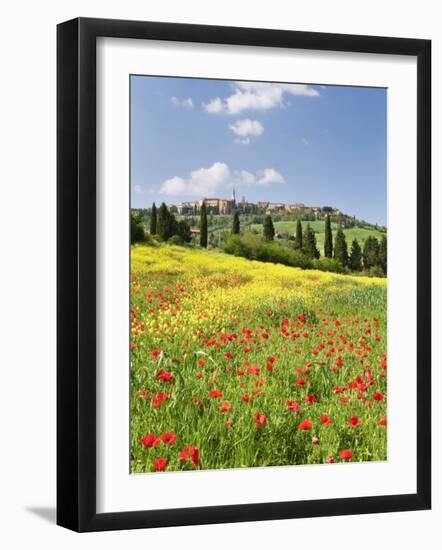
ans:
x=214 y=106
x=269 y=176
x=137 y=189
x=243 y=176
x=246 y=128
x=258 y=96
x=201 y=183
x=217 y=180
x=186 y=103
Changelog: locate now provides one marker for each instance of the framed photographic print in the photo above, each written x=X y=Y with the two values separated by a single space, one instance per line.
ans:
x=243 y=274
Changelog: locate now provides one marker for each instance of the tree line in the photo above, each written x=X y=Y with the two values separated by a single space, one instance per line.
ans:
x=372 y=257
x=163 y=225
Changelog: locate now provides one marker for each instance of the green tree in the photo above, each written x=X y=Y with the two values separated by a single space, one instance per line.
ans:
x=355 y=260
x=382 y=256
x=153 y=220
x=136 y=228
x=328 y=239
x=236 y=225
x=269 y=230
x=183 y=230
x=203 y=226
x=163 y=222
x=341 y=251
x=297 y=245
x=309 y=243
x=370 y=252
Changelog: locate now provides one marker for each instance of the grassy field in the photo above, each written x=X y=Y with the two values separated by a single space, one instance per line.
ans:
x=236 y=363
x=318 y=227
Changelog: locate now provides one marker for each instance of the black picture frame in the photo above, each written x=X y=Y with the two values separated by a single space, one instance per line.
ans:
x=76 y=274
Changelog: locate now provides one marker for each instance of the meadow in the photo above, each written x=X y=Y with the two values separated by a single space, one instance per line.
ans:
x=359 y=233
x=237 y=363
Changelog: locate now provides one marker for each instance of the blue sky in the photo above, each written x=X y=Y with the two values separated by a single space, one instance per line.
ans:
x=318 y=145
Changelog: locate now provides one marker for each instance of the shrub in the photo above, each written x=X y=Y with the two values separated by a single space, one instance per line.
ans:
x=176 y=240
x=328 y=264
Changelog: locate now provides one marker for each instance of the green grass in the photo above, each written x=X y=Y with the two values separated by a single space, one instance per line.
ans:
x=358 y=233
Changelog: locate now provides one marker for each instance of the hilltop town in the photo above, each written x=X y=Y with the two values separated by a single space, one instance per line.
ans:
x=224 y=206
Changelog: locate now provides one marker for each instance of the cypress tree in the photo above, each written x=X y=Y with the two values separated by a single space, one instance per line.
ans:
x=163 y=222
x=236 y=225
x=370 y=253
x=203 y=226
x=183 y=230
x=328 y=240
x=309 y=243
x=341 y=252
x=382 y=256
x=355 y=260
x=153 y=220
x=269 y=230
x=297 y=245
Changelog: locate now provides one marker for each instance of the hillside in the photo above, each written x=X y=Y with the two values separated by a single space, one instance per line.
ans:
x=359 y=233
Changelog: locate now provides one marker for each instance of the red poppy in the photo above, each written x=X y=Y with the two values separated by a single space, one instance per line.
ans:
x=293 y=406
x=168 y=437
x=164 y=376
x=184 y=454
x=155 y=353
x=254 y=369
x=325 y=419
x=354 y=421
x=190 y=453
x=160 y=464
x=305 y=425
x=228 y=356
x=194 y=455
x=378 y=396
x=271 y=359
x=229 y=423
x=201 y=362
x=330 y=459
x=215 y=394
x=346 y=454
x=315 y=440
x=225 y=406
x=261 y=419
x=382 y=422
x=199 y=375
x=311 y=399
x=301 y=382
x=149 y=440
x=246 y=397
x=158 y=399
